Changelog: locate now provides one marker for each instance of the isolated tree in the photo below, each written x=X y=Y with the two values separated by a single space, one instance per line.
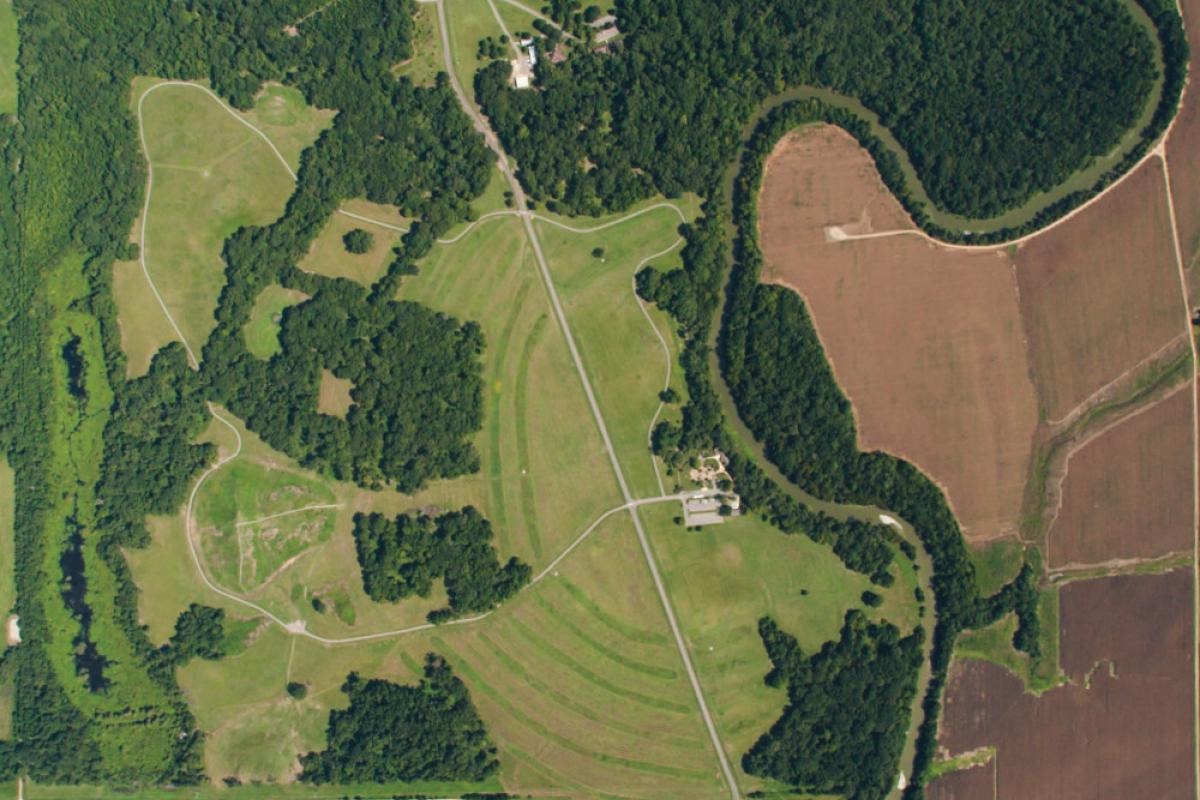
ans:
x=358 y=241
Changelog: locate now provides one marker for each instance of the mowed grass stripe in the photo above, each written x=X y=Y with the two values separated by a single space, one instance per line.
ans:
x=565 y=700
x=495 y=460
x=591 y=677
x=537 y=727
x=618 y=625
x=528 y=504
x=601 y=648
x=550 y=774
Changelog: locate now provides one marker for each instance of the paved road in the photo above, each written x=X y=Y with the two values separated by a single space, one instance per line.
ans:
x=526 y=219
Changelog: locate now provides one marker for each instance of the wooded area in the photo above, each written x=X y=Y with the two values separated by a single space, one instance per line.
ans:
x=404 y=733
x=404 y=556
x=993 y=102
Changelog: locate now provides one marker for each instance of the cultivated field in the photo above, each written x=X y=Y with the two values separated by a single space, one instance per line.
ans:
x=1128 y=492
x=1100 y=293
x=8 y=58
x=1127 y=649
x=1182 y=147
x=939 y=375
x=328 y=255
x=212 y=175
x=977 y=783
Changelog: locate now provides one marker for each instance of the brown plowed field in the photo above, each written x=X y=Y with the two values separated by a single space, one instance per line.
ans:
x=926 y=342
x=976 y=783
x=1121 y=729
x=1100 y=293
x=1182 y=149
x=1128 y=492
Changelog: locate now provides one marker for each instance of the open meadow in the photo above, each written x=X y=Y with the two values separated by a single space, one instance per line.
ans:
x=212 y=175
x=8 y=58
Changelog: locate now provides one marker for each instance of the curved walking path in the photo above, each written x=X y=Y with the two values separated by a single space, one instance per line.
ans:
x=297 y=627
x=527 y=219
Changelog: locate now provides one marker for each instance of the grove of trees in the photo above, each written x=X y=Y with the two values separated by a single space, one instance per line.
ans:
x=403 y=556
x=392 y=732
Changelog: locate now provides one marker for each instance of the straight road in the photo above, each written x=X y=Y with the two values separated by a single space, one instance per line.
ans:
x=522 y=207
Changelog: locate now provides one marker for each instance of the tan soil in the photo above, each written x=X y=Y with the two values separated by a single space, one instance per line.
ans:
x=1128 y=492
x=925 y=341
x=1100 y=292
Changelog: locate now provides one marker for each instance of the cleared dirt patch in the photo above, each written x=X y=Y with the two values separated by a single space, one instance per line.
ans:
x=334 y=398
x=1100 y=293
x=926 y=341
x=1122 y=728
x=1128 y=492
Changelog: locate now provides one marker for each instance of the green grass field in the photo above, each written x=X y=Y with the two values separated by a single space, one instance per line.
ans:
x=622 y=355
x=996 y=563
x=212 y=175
x=577 y=678
x=426 y=61
x=723 y=578
x=470 y=22
x=262 y=329
x=8 y=58
x=328 y=256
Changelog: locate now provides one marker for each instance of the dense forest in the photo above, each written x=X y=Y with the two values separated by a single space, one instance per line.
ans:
x=404 y=556
x=404 y=733
x=95 y=700
x=848 y=693
x=993 y=102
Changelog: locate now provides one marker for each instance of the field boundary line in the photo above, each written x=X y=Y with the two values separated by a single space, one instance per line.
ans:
x=1161 y=151
x=1092 y=435
x=1092 y=399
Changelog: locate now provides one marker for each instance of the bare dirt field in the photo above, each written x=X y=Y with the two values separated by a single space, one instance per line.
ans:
x=939 y=375
x=976 y=783
x=1121 y=728
x=1128 y=492
x=1182 y=147
x=1100 y=293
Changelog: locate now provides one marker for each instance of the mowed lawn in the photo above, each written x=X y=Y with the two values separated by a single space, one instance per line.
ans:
x=724 y=578
x=327 y=255
x=623 y=356
x=8 y=58
x=212 y=175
